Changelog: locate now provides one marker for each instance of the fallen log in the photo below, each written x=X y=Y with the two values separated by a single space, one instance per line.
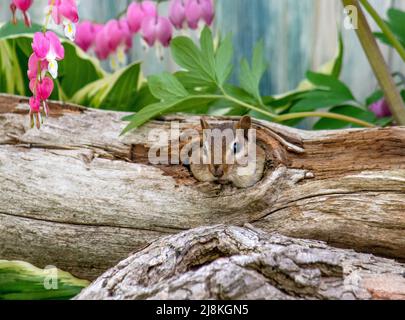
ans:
x=78 y=196
x=232 y=263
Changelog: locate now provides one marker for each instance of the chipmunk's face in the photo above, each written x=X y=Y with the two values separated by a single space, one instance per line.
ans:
x=224 y=148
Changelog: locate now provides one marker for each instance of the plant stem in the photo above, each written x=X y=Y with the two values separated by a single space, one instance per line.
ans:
x=384 y=28
x=48 y=16
x=290 y=116
x=328 y=115
x=249 y=106
x=378 y=64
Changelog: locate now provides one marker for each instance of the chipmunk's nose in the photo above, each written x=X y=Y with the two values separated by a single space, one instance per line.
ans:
x=218 y=171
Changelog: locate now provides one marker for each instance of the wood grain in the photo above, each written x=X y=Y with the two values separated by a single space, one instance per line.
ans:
x=78 y=196
x=230 y=263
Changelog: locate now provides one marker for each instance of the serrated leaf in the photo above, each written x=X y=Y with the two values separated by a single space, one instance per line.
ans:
x=165 y=87
x=318 y=100
x=223 y=60
x=330 y=83
x=250 y=77
x=207 y=50
x=188 y=56
x=259 y=64
x=165 y=107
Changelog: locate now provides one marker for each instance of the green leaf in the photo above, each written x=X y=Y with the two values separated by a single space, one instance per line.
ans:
x=333 y=124
x=23 y=281
x=207 y=50
x=317 y=100
x=396 y=23
x=330 y=83
x=117 y=91
x=10 y=29
x=161 y=108
x=250 y=77
x=384 y=122
x=259 y=64
x=374 y=97
x=77 y=70
x=188 y=56
x=166 y=87
x=223 y=60
x=11 y=74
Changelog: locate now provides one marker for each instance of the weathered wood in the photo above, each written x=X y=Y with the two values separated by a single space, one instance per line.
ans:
x=78 y=196
x=224 y=263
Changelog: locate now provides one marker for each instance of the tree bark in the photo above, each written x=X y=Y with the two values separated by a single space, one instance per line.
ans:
x=76 y=195
x=223 y=263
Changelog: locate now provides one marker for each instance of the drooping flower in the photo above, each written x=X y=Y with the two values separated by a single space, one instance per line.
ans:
x=65 y=12
x=381 y=109
x=85 y=35
x=102 y=48
x=42 y=88
x=197 y=10
x=47 y=46
x=33 y=63
x=35 y=115
x=177 y=13
x=23 y=6
x=137 y=12
x=114 y=41
x=157 y=29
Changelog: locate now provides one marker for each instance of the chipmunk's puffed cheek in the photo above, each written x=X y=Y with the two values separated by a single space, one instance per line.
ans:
x=202 y=173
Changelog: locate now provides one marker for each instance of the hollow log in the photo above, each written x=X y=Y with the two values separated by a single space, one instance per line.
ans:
x=78 y=196
x=232 y=263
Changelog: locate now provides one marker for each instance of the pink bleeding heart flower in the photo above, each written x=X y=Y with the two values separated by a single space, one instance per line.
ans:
x=23 y=6
x=197 y=10
x=126 y=32
x=33 y=63
x=85 y=35
x=47 y=46
x=115 y=34
x=137 y=12
x=157 y=29
x=65 y=12
x=42 y=88
x=177 y=13
x=35 y=115
x=102 y=47
x=381 y=109
x=35 y=104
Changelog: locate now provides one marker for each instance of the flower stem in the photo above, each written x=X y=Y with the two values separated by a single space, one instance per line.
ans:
x=378 y=64
x=384 y=28
x=48 y=16
x=328 y=115
x=290 y=116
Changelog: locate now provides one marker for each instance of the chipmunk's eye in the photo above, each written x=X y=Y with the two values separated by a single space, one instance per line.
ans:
x=236 y=148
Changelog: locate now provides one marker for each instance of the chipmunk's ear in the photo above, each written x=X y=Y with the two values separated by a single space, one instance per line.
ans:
x=245 y=123
x=204 y=124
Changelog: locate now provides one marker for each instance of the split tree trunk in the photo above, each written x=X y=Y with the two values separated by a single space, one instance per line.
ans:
x=232 y=263
x=77 y=196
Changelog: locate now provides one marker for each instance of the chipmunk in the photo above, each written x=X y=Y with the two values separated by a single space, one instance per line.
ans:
x=245 y=171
